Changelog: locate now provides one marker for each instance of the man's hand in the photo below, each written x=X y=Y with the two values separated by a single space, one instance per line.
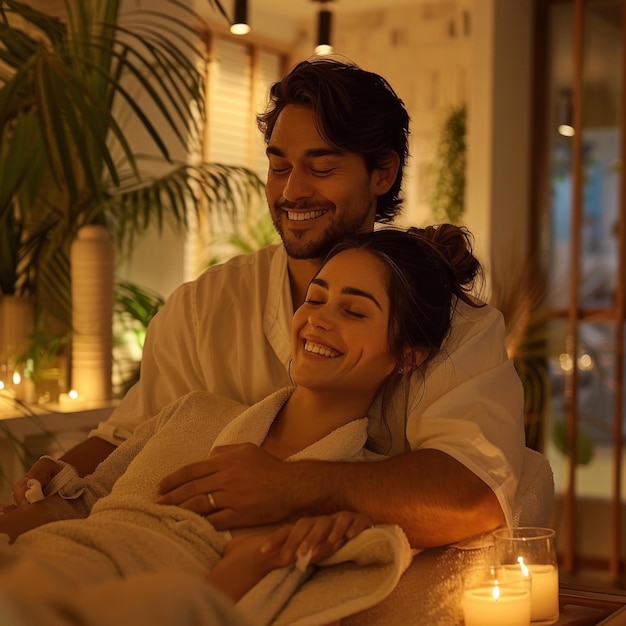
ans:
x=43 y=470
x=238 y=486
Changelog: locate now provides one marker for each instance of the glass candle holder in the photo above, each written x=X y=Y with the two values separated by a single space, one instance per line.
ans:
x=496 y=596
x=533 y=550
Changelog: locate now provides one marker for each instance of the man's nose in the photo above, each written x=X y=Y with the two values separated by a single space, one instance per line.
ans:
x=298 y=186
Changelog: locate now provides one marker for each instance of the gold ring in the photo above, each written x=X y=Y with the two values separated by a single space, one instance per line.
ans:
x=212 y=502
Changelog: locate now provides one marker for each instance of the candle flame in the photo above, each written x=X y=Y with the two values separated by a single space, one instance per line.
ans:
x=17 y=379
x=525 y=571
x=496 y=590
x=72 y=394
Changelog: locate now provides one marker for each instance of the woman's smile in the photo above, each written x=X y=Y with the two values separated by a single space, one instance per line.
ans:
x=316 y=348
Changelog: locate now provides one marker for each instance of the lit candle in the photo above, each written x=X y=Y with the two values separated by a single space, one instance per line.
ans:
x=6 y=392
x=70 y=400
x=496 y=604
x=533 y=549
x=544 y=593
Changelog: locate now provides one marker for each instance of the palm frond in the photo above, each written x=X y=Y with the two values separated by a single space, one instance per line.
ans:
x=211 y=187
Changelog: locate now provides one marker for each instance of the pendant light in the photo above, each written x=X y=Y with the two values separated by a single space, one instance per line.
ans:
x=240 y=24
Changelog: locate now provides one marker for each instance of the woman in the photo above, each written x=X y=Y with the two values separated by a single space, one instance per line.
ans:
x=379 y=308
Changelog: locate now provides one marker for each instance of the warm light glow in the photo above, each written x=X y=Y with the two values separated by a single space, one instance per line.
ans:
x=240 y=29
x=565 y=361
x=496 y=590
x=72 y=394
x=522 y=565
x=585 y=362
x=17 y=379
x=566 y=130
x=1 y=385
x=323 y=49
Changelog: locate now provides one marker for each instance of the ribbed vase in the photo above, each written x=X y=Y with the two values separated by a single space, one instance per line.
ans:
x=16 y=327
x=92 y=258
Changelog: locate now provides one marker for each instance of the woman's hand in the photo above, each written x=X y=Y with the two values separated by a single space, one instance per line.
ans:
x=43 y=470
x=253 y=553
x=315 y=538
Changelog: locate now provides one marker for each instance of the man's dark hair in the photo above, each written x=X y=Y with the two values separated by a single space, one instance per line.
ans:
x=354 y=111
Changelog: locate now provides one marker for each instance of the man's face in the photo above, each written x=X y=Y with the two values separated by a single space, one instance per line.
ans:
x=317 y=196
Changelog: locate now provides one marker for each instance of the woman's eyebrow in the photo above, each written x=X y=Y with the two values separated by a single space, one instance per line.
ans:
x=352 y=291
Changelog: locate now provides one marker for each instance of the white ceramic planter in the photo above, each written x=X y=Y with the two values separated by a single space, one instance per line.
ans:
x=92 y=257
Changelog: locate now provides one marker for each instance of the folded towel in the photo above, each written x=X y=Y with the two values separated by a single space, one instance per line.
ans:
x=359 y=575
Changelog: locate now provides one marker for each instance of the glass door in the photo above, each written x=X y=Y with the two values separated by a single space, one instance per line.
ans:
x=579 y=233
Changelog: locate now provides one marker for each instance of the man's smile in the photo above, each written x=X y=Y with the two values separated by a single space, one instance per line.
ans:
x=300 y=216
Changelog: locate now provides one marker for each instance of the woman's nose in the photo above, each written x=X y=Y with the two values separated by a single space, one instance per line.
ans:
x=297 y=186
x=320 y=318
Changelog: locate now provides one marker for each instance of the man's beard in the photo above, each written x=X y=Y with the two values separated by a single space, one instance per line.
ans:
x=299 y=246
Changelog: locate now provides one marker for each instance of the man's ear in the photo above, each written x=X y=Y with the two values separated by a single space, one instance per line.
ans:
x=385 y=175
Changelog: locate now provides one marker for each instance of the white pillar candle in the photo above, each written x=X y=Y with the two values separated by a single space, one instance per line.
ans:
x=533 y=549
x=544 y=593
x=496 y=605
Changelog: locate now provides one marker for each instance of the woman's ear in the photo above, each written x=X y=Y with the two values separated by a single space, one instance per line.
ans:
x=411 y=360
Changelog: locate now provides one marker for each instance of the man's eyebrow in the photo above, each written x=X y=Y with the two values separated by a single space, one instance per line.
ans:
x=352 y=291
x=313 y=153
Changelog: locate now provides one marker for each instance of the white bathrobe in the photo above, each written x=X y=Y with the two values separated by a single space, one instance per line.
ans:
x=128 y=534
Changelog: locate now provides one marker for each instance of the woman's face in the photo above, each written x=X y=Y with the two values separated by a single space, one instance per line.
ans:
x=339 y=334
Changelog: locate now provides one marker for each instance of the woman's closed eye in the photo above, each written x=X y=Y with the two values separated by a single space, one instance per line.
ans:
x=347 y=310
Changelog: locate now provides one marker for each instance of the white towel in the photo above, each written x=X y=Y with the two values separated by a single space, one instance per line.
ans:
x=359 y=575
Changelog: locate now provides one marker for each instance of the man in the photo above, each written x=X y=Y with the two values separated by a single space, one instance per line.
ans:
x=337 y=141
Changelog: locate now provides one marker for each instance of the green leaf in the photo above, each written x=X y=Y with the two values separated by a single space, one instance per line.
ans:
x=584 y=443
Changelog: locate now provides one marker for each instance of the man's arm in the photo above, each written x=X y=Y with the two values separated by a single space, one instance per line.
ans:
x=434 y=498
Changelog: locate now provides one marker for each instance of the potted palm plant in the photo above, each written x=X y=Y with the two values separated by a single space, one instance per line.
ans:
x=74 y=91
